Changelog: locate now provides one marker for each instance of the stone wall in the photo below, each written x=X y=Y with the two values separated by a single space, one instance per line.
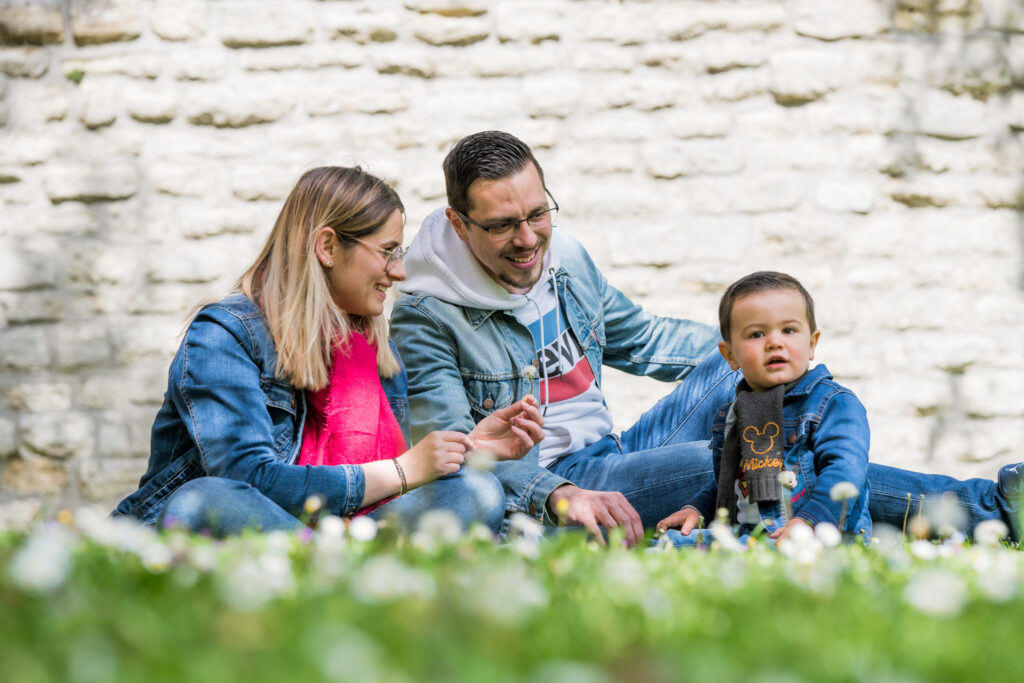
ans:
x=873 y=148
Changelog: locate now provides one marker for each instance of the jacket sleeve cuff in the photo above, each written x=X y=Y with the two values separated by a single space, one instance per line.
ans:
x=343 y=485
x=704 y=503
x=815 y=512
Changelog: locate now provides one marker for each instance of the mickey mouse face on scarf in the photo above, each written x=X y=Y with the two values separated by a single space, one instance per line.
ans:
x=761 y=440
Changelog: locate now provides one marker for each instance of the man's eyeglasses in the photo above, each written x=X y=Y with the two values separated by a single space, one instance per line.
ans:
x=539 y=220
x=393 y=256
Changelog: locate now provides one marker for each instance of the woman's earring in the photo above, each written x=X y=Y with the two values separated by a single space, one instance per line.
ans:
x=329 y=264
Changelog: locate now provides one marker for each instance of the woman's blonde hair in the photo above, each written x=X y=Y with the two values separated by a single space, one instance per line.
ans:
x=290 y=285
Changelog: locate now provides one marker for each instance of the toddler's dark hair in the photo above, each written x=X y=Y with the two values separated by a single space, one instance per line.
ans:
x=761 y=281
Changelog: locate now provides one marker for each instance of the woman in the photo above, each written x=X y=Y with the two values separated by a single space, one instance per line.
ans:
x=228 y=449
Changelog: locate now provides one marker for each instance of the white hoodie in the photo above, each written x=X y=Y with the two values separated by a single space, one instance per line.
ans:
x=575 y=414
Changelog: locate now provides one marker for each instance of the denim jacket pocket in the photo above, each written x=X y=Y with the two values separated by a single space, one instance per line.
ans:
x=154 y=494
x=486 y=396
x=283 y=406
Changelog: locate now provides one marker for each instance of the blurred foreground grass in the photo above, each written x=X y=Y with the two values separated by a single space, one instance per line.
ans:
x=94 y=600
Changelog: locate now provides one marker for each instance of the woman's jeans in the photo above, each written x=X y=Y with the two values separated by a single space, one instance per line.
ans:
x=663 y=461
x=224 y=507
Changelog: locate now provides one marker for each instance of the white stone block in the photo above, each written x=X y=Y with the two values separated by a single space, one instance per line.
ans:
x=236 y=106
x=732 y=52
x=21 y=269
x=699 y=123
x=845 y=196
x=109 y=479
x=1000 y=193
x=114 y=265
x=183 y=179
x=24 y=62
x=89 y=182
x=735 y=85
x=116 y=390
x=305 y=57
x=134 y=64
x=40 y=397
x=1015 y=110
x=799 y=76
x=557 y=97
x=992 y=393
x=32 y=21
x=458 y=32
x=602 y=58
x=43 y=102
x=151 y=103
x=622 y=24
x=943 y=115
x=34 y=306
x=528 y=22
x=260 y=24
x=105 y=21
x=112 y=440
x=448 y=8
x=56 y=435
x=146 y=337
x=188 y=262
x=179 y=19
x=206 y=221
x=363 y=27
x=344 y=95
x=1005 y=15
x=694 y=157
x=836 y=19
x=200 y=65
x=923 y=191
x=82 y=345
x=25 y=348
x=258 y=182
x=993 y=441
x=99 y=103
x=19 y=515
x=8 y=438
x=506 y=61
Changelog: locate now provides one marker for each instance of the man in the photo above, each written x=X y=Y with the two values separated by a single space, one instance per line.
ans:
x=496 y=294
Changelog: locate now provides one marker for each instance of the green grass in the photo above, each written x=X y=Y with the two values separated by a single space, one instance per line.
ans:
x=272 y=608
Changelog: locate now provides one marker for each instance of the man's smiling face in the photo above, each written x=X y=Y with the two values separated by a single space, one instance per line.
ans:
x=516 y=260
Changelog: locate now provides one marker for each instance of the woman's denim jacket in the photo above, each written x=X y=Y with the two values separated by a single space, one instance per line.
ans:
x=465 y=363
x=825 y=440
x=226 y=414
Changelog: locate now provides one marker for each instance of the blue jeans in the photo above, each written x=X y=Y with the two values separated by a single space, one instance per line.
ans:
x=662 y=461
x=980 y=499
x=225 y=507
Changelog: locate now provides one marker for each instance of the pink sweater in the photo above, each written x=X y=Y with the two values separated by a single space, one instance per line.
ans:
x=350 y=421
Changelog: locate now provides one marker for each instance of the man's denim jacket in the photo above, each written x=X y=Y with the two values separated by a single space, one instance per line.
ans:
x=465 y=363
x=226 y=414
x=825 y=440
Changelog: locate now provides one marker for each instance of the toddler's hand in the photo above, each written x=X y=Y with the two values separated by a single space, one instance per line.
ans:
x=784 y=531
x=685 y=520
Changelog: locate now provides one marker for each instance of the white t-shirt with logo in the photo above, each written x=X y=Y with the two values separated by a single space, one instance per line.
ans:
x=576 y=414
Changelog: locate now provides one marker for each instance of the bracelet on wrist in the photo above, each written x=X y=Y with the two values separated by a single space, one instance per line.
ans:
x=401 y=477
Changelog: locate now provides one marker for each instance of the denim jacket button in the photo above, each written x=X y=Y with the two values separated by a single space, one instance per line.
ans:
x=488 y=403
x=792 y=438
x=721 y=414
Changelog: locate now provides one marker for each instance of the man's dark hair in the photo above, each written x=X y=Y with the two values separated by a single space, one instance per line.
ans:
x=491 y=155
x=761 y=281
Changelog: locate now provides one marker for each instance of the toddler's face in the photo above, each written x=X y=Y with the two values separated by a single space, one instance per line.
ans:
x=771 y=342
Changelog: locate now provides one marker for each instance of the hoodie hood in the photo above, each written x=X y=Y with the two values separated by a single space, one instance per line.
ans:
x=440 y=264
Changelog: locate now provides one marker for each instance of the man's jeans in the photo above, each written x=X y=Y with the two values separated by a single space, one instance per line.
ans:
x=663 y=461
x=225 y=507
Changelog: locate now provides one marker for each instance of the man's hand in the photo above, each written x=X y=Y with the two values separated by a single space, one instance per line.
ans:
x=685 y=520
x=594 y=509
x=511 y=432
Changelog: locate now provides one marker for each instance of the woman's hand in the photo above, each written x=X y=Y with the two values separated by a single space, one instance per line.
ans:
x=437 y=454
x=511 y=432
x=685 y=520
